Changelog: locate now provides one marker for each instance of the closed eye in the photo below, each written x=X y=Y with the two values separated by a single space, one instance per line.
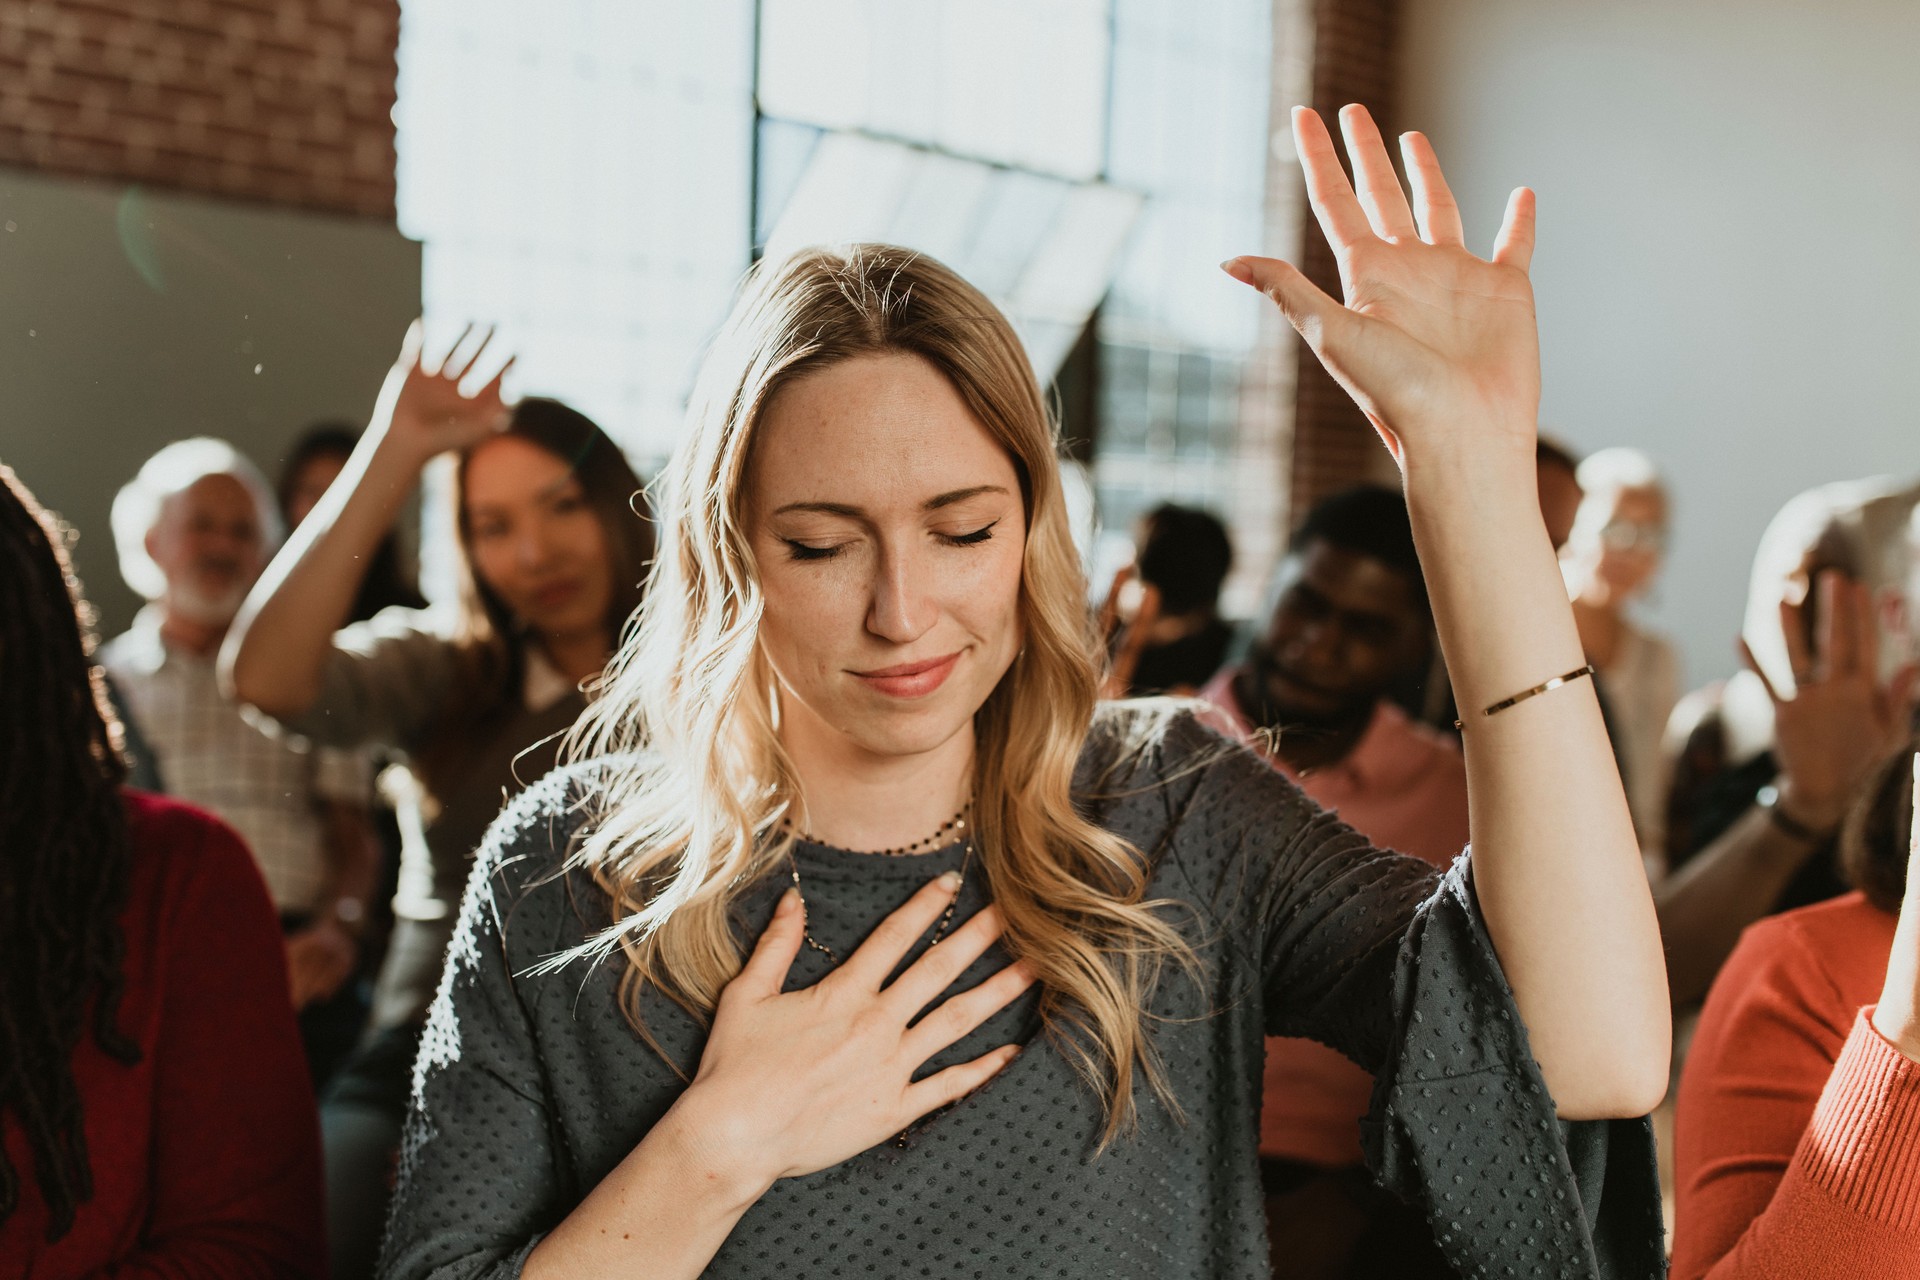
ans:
x=801 y=551
x=973 y=539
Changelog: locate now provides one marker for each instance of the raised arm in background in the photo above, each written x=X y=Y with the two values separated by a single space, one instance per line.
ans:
x=1440 y=349
x=1840 y=722
x=277 y=648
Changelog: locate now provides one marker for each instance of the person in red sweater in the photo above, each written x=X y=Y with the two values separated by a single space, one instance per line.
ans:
x=156 y=1118
x=1797 y=1137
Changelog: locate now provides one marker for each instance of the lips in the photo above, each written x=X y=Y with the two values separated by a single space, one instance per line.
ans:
x=555 y=594
x=910 y=679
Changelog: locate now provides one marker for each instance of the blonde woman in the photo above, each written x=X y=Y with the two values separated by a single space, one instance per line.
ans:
x=860 y=945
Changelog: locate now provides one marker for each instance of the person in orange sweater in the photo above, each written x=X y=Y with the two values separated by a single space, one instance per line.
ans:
x=1797 y=1140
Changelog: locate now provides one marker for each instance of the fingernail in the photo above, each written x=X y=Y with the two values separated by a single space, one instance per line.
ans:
x=950 y=881
x=1238 y=270
x=788 y=901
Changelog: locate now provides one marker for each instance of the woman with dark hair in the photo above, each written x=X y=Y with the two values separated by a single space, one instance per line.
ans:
x=1183 y=554
x=155 y=1112
x=553 y=554
x=310 y=467
x=1797 y=1136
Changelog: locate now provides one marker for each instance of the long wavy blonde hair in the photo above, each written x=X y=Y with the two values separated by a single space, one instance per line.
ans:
x=696 y=783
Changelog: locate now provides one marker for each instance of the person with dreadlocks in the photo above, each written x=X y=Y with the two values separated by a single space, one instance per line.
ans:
x=155 y=1112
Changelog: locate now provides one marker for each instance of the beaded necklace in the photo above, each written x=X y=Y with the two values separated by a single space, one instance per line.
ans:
x=957 y=824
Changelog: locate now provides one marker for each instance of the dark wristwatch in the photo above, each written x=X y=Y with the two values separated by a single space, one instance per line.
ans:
x=1768 y=798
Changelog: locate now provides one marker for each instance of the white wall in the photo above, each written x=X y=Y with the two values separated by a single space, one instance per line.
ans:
x=1728 y=270
x=130 y=318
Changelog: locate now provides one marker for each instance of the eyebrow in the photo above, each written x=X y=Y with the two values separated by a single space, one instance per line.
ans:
x=931 y=504
x=548 y=492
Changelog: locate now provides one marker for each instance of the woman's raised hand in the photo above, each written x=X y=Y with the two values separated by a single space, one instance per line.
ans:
x=1897 y=1016
x=792 y=1082
x=1437 y=346
x=422 y=407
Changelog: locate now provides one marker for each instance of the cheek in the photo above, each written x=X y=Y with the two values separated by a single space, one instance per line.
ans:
x=583 y=540
x=997 y=588
x=809 y=608
x=492 y=564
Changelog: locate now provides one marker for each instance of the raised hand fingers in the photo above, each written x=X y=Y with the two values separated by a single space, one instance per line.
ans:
x=494 y=384
x=1341 y=219
x=1306 y=306
x=1433 y=202
x=411 y=344
x=1753 y=665
x=1832 y=628
x=435 y=368
x=1793 y=630
x=1127 y=660
x=765 y=972
x=1110 y=607
x=889 y=943
x=960 y=1014
x=1513 y=247
x=1377 y=185
x=1865 y=656
x=448 y=372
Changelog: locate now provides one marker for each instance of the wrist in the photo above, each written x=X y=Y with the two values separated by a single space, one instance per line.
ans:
x=1449 y=461
x=1899 y=1026
x=715 y=1157
x=1812 y=817
x=396 y=456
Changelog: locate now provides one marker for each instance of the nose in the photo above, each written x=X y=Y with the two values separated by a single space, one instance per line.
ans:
x=531 y=548
x=1317 y=643
x=901 y=608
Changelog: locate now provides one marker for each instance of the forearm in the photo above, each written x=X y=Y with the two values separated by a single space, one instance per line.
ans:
x=672 y=1203
x=277 y=649
x=1557 y=868
x=1719 y=892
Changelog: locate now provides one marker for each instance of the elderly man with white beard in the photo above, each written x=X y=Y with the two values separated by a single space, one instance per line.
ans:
x=193 y=530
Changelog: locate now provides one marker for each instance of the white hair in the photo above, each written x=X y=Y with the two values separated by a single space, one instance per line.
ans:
x=168 y=473
x=1603 y=477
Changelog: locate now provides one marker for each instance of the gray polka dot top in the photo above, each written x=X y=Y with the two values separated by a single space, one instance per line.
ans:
x=530 y=1089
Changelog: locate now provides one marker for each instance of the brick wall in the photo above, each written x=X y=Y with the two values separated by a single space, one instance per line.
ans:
x=1353 y=57
x=280 y=102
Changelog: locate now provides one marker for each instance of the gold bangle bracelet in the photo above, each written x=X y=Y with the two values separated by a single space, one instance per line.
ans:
x=1545 y=686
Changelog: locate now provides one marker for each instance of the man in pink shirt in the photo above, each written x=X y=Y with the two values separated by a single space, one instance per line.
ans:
x=1350 y=623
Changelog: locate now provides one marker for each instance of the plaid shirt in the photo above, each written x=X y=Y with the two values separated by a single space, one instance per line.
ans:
x=267 y=788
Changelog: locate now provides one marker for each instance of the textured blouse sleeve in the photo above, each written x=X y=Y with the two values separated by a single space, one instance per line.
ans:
x=480 y=1177
x=236 y=1187
x=1462 y=1126
x=1799 y=1150
x=385 y=681
x=1386 y=959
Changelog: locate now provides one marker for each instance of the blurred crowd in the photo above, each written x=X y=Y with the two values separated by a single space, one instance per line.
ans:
x=287 y=677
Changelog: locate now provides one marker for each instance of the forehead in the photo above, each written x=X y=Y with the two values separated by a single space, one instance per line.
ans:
x=217 y=497
x=1352 y=580
x=1644 y=506
x=874 y=431
x=507 y=470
